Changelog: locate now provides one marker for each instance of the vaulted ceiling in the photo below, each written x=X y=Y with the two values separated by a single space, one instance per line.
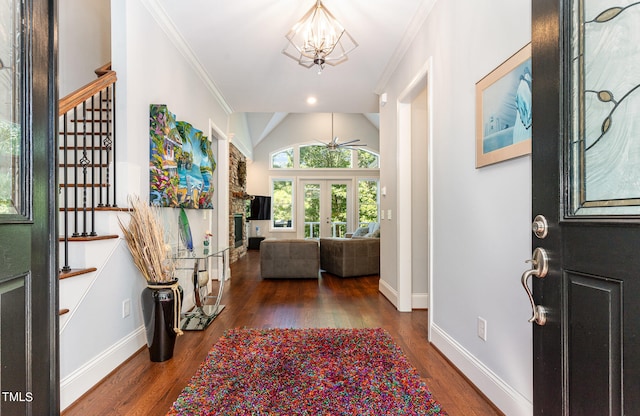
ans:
x=239 y=44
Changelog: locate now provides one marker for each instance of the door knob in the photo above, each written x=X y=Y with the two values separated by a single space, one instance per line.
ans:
x=539 y=268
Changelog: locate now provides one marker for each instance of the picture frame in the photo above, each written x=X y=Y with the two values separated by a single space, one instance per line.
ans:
x=503 y=111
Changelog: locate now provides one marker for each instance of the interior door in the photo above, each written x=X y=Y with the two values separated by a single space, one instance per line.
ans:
x=28 y=276
x=326 y=207
x=586 y=171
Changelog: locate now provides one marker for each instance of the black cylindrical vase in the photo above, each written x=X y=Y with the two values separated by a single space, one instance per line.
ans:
x=158 y=310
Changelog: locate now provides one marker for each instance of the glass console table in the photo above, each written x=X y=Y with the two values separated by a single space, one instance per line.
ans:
x=203 y=313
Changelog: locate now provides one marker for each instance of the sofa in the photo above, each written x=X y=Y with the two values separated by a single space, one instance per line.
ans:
x=289 y=258
x=357 y=255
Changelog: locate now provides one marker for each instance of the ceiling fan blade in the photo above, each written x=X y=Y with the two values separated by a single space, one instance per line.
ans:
x=350 y=141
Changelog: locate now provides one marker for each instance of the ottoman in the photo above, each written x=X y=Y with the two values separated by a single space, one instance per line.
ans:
x=289 y=258
x=348 y=257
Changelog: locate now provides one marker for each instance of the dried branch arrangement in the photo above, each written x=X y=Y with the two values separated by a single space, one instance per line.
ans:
x=145 y=238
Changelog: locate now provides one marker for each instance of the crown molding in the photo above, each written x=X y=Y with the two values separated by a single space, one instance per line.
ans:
x=413 y=28
x=166 y=24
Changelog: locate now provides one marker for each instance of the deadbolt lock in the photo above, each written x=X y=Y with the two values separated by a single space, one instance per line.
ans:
x=540 y=227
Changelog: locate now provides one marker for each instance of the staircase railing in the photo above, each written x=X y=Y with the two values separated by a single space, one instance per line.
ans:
x=87 y=156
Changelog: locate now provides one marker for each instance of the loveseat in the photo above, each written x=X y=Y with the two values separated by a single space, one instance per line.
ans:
x=358 y=255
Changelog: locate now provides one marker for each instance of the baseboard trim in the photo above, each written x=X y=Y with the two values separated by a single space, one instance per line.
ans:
x=502 y=395
x=420 y=301
x=388 y=292
x=84 y=378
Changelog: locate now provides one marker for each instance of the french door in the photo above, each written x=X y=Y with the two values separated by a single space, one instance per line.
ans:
x=326 y=207
x=29 y=375
x=586 y=204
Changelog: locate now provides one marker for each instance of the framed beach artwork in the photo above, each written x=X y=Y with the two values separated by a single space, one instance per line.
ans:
x=181 y=162
x=503 y=111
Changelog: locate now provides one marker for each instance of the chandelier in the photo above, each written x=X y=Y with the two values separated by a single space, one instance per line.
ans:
x=319 y=39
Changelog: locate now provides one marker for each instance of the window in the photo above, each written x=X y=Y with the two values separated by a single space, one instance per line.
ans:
x=315 y=156
x=282 y=206
x=339 y=213
x=311 y=210
x=282 y=159
x=367 y=201
x=367 y=159
x=299 y=205
x=319 y=156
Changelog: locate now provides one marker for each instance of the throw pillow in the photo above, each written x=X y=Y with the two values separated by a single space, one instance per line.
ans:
x=360 y=232
x=375 y=234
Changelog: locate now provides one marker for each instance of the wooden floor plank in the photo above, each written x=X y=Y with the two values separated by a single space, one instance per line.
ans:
x=141 y=387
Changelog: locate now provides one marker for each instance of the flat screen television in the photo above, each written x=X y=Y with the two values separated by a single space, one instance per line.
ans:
x=260 y=208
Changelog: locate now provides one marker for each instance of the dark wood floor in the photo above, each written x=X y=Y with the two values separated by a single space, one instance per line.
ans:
x=141 y=387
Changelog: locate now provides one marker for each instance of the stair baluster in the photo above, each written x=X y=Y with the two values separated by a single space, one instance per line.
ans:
x=101 y=110
x=65 y=194
x=110 y=145
x=88 y=116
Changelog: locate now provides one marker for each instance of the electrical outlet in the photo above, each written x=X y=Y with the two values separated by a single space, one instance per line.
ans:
x=482 y=328
x=388 y=214
x=126 y=308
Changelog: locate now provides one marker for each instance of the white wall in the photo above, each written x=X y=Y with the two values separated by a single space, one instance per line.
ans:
x=419 y=200
x=151 y=69
x=84 y=31
x=239 y=134
x=481 y=217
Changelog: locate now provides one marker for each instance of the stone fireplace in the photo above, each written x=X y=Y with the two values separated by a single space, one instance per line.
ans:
x=237 y=200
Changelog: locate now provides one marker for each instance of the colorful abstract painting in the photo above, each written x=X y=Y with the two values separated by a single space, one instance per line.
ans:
x=181 y=162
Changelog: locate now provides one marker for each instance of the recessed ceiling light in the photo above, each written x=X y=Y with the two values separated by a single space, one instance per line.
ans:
x=312 y=100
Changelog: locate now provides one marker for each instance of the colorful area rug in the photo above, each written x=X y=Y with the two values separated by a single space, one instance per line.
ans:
x=306 y=372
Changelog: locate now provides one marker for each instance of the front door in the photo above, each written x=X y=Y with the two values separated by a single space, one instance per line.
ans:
x=326 y=207
x=28 y=276
x=586 y=183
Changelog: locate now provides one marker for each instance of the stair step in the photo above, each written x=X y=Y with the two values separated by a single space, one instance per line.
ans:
x=83 y=185
x=85 y=133
x=80 y=209
x=97 y=108
x=90 y=165
x=89 y=120
x=91 y=238
x=83 y=148
x=63 y=311
x=76 y=272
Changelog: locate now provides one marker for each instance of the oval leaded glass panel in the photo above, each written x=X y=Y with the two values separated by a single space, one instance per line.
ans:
x=604 y=146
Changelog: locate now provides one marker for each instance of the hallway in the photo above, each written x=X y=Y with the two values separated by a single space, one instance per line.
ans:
x=140 y=387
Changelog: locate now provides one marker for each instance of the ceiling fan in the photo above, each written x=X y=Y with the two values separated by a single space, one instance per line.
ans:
x=335 y=144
